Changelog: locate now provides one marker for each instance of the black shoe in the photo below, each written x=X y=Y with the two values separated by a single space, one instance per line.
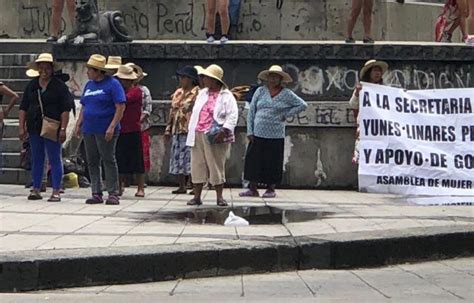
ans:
x=35 y=196
x=368 y=40
x=52 y=39
x=194 y=202
x=179 y=191
x=350 y=40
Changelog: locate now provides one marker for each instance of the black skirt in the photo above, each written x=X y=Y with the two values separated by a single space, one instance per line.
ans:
x=129 y=154
x=264 y=161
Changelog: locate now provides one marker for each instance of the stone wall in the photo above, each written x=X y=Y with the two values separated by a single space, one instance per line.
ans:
x=320 y=141
x=259 y=19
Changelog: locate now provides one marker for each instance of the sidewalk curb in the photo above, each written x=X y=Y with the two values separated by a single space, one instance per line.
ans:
x=35 y=270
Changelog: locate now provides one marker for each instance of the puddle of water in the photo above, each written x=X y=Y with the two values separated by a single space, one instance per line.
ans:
x=253 y=214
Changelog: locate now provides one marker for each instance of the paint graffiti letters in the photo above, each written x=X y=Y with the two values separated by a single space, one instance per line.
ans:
x=37 y=19
x=138 y=21
x=181 y=23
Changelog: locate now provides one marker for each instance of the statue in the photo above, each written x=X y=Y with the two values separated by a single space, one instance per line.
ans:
x=91 y=26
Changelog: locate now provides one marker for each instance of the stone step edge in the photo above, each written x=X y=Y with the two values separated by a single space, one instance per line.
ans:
x=49 y=269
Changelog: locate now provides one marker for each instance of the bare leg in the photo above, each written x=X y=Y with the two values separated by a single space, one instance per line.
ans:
x=71 y=9
x=470 y=19
x=211 y=16
x=140 y=185
x=182 y=182
x=57 y=11
x=219 y=190
x=223 y=8
x=198 y=191
x=463 y=14
x=355 y=12
x=368 y=6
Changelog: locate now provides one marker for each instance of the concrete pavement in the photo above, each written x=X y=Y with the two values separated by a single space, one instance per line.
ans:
x=358 y=229
x=442 y=281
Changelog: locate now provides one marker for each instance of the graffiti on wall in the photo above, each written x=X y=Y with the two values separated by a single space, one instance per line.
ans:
x=37 y=19
x=316 y=80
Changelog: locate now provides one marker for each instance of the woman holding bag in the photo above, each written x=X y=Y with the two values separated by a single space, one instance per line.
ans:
x=210 y=133
x=43 y=118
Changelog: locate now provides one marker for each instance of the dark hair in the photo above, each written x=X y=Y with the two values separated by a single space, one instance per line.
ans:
x=366 y=77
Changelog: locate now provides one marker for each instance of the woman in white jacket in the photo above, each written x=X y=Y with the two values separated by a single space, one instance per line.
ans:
x=211 y=131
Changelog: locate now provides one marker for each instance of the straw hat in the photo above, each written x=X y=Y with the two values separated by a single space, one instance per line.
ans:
x=138 y=70
x=97 y=62
x=32 y=73
x=372 y=63
x=199 y=69
x=275 y=69
x=126 y=73
x=113 y=62
x=216 y=72
x=45 y=57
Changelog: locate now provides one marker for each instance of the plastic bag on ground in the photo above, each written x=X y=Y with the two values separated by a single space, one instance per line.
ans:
x=233 y=220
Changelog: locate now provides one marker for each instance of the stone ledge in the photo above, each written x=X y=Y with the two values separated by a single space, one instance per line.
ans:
x=278 y=50
x=34 y=270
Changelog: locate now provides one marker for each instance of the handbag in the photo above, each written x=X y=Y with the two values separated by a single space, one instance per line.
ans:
x=216 y=128
x=25 y=156
x=49 y=126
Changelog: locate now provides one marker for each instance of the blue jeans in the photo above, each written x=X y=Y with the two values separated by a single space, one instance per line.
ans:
x=39 y=148
x=234 y=12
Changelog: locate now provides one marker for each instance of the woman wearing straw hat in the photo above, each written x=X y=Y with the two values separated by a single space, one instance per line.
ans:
x=210 y=133
x=113 y=63
x=103 y=104
x=45 y=96
x=271 y=105
x=372 y=72
x=177 y=129
x=145 y=116
x=129 y=151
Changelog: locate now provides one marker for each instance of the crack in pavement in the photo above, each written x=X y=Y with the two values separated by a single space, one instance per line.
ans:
x=370 y=285
x=313 y=292
x=431 y=282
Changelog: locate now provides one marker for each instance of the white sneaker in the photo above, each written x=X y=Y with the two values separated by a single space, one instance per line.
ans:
x=210 y=39
x=224 y=39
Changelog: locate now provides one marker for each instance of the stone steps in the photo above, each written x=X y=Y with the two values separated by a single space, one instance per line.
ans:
x=30 y=46
x=15 y=59
x=16 y=84
x=13 y=72
x=11 y=160
x=14 y=176
x=11 y=145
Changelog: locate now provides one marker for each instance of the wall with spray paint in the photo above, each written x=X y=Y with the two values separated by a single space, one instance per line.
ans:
x=259 y=19
x=319 y=141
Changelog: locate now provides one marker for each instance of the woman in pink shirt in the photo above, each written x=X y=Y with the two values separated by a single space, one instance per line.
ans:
x=211 y=131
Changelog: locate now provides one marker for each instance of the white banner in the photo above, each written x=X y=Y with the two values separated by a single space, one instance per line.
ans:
x=416 y=142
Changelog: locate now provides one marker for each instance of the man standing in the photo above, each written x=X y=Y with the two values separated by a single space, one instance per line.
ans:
x=57 y=11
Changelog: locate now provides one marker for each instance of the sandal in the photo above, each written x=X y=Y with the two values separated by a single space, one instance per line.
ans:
x=222 y=202
x=112 y=200
x=34 y=195
x=179 y=191
x=194 y=202
x=140 y=195
x=249 y=193
x=54 y=198
x=95 y=199
x=269 y=194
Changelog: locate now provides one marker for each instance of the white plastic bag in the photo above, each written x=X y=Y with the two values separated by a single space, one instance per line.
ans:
x=233 y=220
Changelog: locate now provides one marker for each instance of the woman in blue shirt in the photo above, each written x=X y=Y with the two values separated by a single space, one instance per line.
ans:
x=271 y=105
x=103 y=104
